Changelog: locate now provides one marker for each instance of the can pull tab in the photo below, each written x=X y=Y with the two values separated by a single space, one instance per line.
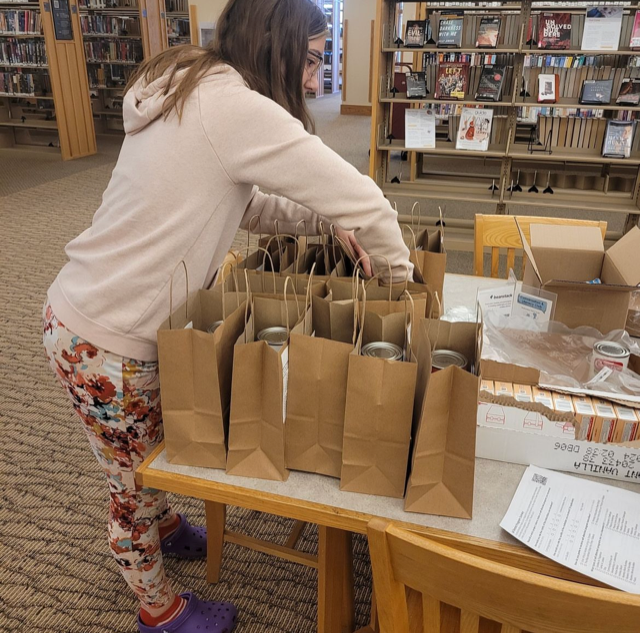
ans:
x=601 y=376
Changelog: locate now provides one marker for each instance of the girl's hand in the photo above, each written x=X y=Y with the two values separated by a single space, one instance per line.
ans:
x=349 y=238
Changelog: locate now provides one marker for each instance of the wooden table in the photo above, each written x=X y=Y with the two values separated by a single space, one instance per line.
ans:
x=316 y=499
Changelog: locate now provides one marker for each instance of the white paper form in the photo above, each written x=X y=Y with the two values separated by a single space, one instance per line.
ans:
x=586 y=526
x=420 y=129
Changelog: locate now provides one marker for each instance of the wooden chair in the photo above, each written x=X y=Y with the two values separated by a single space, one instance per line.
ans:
x=488 y=594
x=500 y=231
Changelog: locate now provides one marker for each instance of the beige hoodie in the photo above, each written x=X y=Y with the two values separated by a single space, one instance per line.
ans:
x=181 y=190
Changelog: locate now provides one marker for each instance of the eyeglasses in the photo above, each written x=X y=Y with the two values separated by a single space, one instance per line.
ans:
x=314 y=62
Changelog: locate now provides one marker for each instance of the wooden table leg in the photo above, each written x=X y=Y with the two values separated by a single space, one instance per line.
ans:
x=335 y=581
x=216 y=515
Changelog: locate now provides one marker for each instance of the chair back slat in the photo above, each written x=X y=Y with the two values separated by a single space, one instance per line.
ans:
x=495 y=261
x=484 y=590
x=469 y=622
x=431 y=614
x=500 y=231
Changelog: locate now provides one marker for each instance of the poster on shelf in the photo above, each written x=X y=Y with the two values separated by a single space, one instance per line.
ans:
x=420 y=129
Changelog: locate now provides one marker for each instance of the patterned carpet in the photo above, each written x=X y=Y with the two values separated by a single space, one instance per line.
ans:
x=56 y=572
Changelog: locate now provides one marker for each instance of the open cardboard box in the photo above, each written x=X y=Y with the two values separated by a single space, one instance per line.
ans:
x=563 y=259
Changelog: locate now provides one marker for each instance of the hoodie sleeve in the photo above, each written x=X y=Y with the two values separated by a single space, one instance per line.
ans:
x=288 y=215
x=259 y=143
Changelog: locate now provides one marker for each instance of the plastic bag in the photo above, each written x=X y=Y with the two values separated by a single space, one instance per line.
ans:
x=562 y=355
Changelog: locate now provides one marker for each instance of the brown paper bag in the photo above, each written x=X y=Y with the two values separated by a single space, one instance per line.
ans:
x=378 y=415
x=195 y=377
x=427 y=254
x=443 y=464
x=259 y=388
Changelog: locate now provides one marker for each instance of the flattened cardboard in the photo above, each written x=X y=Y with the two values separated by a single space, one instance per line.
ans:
x=602 y=306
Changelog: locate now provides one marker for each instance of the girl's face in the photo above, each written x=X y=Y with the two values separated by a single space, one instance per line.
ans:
x=315 y=57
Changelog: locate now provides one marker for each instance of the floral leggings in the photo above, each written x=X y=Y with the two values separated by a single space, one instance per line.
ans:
x=118 y=401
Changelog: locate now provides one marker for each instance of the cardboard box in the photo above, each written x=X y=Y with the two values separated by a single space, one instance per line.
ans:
x=487 y=385
x=543 y=397
x=503 y=389
x=523 y=393
x=606 y=418
x=562 y=259
x=562 y=403
x=626 y=426
x=585 y=416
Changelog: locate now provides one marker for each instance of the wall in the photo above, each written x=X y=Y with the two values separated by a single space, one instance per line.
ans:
x=208 y=10
x=358 y=15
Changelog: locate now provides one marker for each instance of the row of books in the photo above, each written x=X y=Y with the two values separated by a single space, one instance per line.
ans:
x=108 y=4
x=530 y=114
x=109 y=76
x=568 y=61
x=602 y=28
x=452 y=81
x=472 y=59
x=476 y=129
x=24 y=83
x=109 y=25
x=129 y=51
x=16 y=52
x=595 y=86
x=21 y=21
x=177 y=6
x=177 y=28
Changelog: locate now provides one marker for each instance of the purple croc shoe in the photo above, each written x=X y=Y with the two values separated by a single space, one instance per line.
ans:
x=198 y=617
x=186 y=542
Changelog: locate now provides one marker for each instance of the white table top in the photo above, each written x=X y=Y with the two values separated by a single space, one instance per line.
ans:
x=495 y=482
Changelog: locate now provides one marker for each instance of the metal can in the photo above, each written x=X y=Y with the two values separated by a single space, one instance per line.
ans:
x=443 y=358
x=214 y=327
x=276 y=336
x=609 y=354
x=380 y=349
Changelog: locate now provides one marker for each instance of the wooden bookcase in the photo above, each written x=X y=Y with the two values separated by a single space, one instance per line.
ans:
x=52 y=108
x=581 y=178
x=179 y=27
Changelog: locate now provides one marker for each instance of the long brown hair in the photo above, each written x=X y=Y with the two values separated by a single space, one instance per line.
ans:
x=266 y=41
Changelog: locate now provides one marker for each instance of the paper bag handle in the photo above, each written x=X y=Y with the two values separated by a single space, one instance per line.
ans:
x=268 y=254
x=186 y=305
x=255 y=217
x=234 y=272
x=413 y=217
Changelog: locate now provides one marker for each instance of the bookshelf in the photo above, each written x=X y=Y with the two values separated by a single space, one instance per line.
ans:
x=43 y=101
x=557 y=145
x=332 y=68
x=179 y=29
x=113 y=47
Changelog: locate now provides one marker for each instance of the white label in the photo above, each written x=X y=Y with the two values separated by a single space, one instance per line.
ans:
x=284 y=357
x=564 y=405
x=420 y=129
x=497 y=300
x=586 y=526
x=189 y=326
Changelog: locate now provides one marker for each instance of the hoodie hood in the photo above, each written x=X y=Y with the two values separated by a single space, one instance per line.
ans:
x=143 y=104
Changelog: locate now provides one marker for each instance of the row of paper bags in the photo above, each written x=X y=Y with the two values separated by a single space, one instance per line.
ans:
x=316 y=404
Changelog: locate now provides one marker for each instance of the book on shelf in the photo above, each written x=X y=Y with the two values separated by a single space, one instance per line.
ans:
x=548 y=88
x=475 y=129
x=420 y=129
x=20 y=22
x=489 y=31
x=177 y=6
x=23 y=52
x=618 y=139
x=596 y=92
x=417 y=85
x=123 y=51
x=602 y=27
x=452 y=81
x=531 y=38
x=110 y=25
x=450 y=29
x=554 y=31
x=17 y=82
x=634 y=42
x=629 y=92
x=415 y=33
x=491 y=82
